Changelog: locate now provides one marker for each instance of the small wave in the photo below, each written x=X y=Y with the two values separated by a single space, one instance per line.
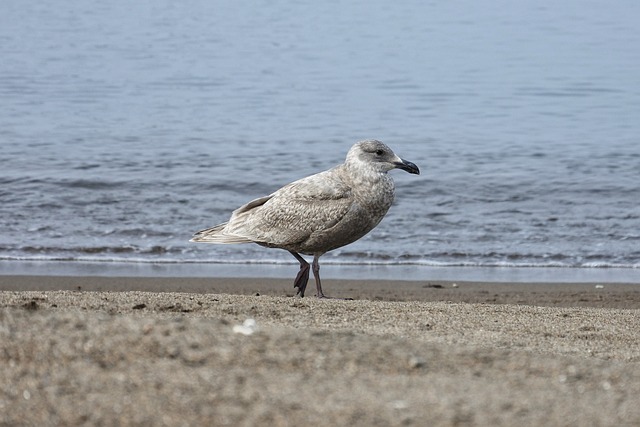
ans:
x=415 y=263
x=90 y=184
x=80 y=250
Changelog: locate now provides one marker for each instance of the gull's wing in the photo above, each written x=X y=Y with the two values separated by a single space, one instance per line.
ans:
x=220 y=234
x=294 y=212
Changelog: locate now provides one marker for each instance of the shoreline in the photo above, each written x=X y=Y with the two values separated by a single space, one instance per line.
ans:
x=410 y=272
x=605 y=295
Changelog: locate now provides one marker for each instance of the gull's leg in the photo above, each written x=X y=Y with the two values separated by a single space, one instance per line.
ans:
x=303 y=275
x=316 y=275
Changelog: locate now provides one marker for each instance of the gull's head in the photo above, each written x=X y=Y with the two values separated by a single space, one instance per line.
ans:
x=376 y=155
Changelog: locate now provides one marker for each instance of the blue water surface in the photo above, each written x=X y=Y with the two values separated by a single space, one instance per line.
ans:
x=127 y=126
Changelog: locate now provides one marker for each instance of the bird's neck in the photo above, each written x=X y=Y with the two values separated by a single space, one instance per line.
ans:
x=367 y=179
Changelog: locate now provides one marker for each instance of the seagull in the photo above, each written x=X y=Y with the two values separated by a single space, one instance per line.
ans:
x=319 y=213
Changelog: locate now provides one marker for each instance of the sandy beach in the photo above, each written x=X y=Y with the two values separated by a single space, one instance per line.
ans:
x=171 y=351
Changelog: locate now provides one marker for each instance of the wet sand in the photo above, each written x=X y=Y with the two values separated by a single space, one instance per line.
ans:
x=166 y=351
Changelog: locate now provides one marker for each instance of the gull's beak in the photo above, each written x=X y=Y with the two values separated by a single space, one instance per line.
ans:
x=407 y=166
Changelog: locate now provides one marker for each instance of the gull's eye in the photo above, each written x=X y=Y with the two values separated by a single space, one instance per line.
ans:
x=380 y=152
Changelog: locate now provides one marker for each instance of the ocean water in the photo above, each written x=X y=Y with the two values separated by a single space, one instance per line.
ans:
x=127 y=126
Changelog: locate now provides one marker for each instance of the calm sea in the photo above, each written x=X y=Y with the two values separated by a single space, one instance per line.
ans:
x=127 y=126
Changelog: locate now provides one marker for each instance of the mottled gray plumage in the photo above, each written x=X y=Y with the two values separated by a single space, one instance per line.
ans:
x=318 y=213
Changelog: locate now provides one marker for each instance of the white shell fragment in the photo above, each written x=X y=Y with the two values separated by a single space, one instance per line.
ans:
x=248 y=327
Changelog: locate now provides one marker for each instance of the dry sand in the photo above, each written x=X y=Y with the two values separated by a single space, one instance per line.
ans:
x=133 y=351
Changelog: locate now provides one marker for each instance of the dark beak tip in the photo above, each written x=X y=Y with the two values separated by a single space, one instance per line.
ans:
x=409 y=167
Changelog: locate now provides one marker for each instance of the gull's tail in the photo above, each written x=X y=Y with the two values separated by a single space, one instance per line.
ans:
x=218 y=235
